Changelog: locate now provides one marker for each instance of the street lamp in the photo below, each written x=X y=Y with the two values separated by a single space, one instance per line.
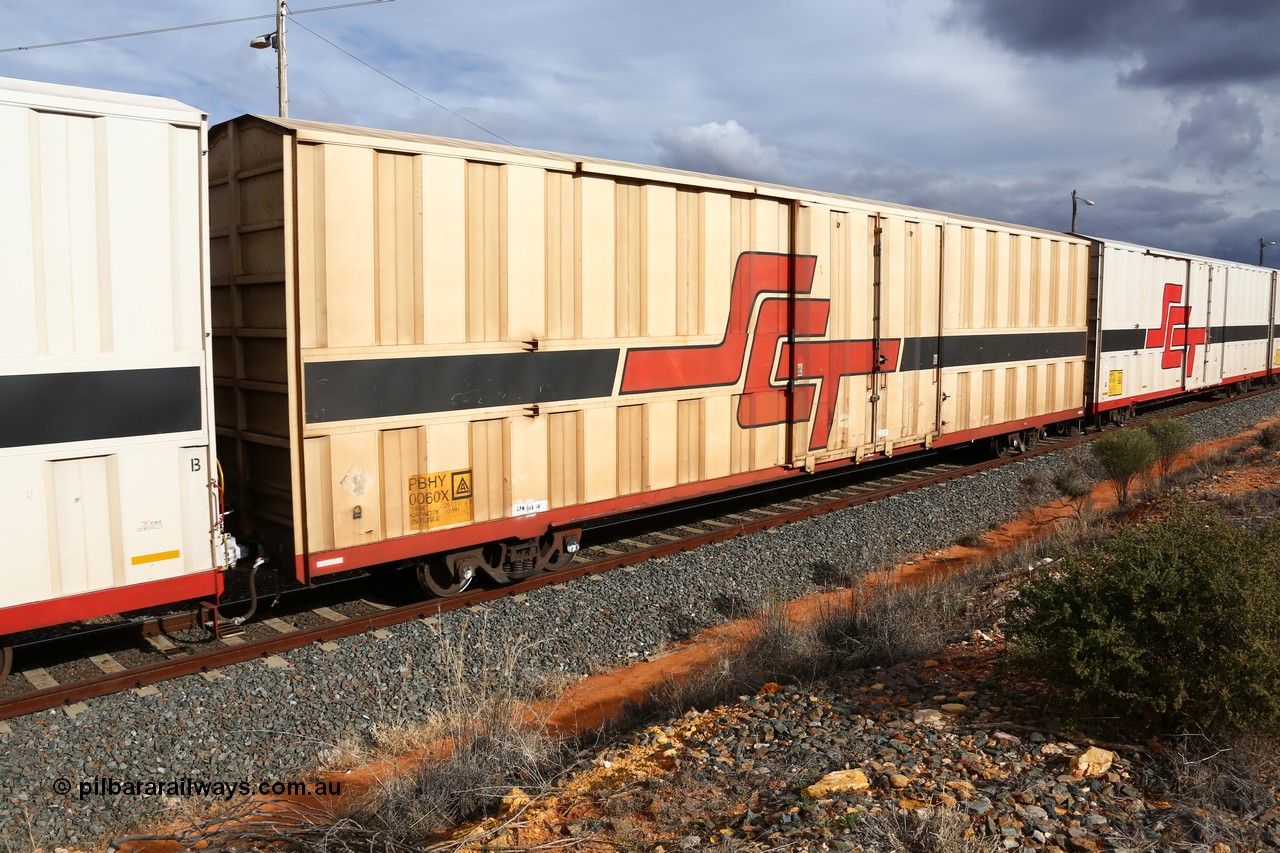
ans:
x=1263 y=243
x=276 y=40
x=1074 y=199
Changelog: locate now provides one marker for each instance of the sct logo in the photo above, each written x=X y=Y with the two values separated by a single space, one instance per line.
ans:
x=1174 y=334
x=762 y=351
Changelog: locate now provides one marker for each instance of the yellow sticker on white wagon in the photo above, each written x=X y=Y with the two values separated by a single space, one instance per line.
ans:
x=1115 y=382
x=439 y=499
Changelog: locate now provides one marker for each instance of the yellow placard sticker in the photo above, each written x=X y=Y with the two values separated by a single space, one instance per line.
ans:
x=1115 y=383
x=440 y=499
x=1278 y=356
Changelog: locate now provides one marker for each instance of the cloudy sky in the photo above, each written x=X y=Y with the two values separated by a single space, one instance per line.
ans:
x=1164 y=112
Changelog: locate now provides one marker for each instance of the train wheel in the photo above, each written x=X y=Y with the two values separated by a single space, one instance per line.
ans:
x=6 y=661
x=559 y=549
x=446 y=576
x=1005 y=445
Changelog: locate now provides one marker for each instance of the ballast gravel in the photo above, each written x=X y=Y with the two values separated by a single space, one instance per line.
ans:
x=262 y=724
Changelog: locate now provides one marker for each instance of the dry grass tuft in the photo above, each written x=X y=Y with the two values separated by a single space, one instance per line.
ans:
x=1220 y=789
x=934 y=830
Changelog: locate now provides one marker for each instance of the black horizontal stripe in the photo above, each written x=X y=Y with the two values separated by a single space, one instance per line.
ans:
x=966 y=350
x=1235 y=334
x=56 y=408
x=1131 y=340
x=394 y=387
x=1121 y=340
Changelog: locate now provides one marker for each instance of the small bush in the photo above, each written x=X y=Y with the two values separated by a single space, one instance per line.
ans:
x=1171 y=437
x=886 y=624
x=1073 y=483
x=1269 y=437
x=1124 y=455
x=1175 y=621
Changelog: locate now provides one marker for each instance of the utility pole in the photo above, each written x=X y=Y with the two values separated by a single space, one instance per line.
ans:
x=276 y=40
x=282 y=63
x=1076 y=198
x=1263 y=243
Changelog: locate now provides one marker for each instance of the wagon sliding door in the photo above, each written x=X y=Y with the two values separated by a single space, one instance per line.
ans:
x=905 y=388
x=1204 y=302
x=835 y=323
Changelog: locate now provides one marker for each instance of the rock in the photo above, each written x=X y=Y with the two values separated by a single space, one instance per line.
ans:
x=979 y=806
x=897 y=780
x=1094 y=761
x=840 y=780
x=928 y=717
x=955 y=707
x=514 y=801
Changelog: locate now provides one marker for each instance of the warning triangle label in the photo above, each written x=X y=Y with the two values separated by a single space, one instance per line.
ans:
x=461 y=485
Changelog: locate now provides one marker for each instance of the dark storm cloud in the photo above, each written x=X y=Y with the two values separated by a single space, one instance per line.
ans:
x=1173 y=44
x=1221 y=133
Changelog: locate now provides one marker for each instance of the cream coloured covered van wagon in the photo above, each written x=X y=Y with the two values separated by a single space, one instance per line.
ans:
x=430 y=346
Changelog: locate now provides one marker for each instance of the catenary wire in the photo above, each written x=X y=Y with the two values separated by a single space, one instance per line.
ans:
x=405 y=86
x=1047 y=209
x=189 y=26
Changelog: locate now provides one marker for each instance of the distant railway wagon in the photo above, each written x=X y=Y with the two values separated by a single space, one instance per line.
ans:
x=427 y=346
x=105 y=400
x=1170 y=323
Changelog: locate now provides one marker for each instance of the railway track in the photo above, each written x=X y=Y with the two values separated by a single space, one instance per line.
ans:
x=74 y=667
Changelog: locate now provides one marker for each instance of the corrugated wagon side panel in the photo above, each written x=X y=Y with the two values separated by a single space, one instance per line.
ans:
x=1140 y=297
x=444 y=249
x=1242 y=324
x=105 y=423
x=1014 y=308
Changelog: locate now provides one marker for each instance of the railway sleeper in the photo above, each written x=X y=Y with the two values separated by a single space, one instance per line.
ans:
x=445 y=575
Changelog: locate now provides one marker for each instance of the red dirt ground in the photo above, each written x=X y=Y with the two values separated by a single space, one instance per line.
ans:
x=592 y=703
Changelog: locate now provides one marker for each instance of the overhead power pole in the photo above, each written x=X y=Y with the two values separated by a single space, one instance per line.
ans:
x=282 y=63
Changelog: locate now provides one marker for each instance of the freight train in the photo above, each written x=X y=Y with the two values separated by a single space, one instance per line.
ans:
x=410 y=349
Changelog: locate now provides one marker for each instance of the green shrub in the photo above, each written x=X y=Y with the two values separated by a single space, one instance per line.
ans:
x=1124 y=455
x=1171 y=437
x=1175 y=621
x=1074 y=484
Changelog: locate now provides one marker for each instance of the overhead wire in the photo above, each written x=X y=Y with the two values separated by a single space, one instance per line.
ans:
x=404 y=86
x=1047 y=209
x=181 y=27
x=1119 y=228
x=292 y=14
